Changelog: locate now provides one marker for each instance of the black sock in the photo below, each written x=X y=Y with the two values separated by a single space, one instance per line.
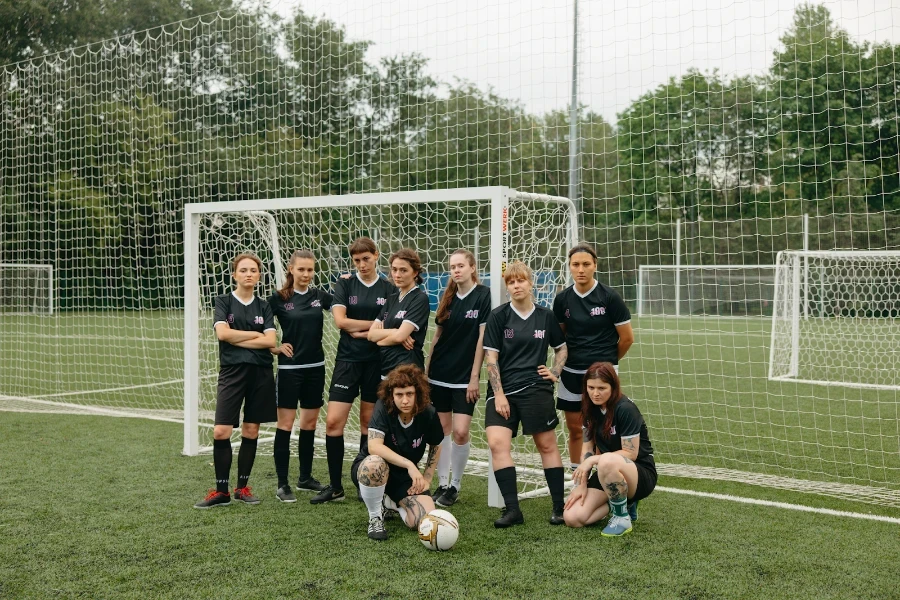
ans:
x=556 y=483
x=334 y=449
x=363 y=443
x=222 y=461
x=282 y=452
x=506 y=481
x=246 y=456
x=305 y=451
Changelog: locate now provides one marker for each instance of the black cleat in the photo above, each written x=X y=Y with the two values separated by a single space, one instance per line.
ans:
x=377 y=530
x=438 y=492
x=448 y=498
x=329 y=494
x=310 y=484
x=284 y=494
x=556 y=517
x=509 y=517
x=213 y=499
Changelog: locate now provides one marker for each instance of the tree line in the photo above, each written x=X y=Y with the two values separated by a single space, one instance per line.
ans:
x=102 y=142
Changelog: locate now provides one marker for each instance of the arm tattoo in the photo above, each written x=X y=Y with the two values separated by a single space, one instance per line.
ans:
x=559 y=360
x=376 y=435
x=494 y=377
x=616 y=490
x=586 y=455
x=628 y=444
x=627 y=460
x=414 y=510
x=433 y=453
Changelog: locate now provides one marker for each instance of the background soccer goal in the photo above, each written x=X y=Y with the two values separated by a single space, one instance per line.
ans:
x=698 y=139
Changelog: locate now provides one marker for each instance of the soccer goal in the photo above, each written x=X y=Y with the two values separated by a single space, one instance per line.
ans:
x=27 y=288
x=837 y=319
x=716 y=290
x=498 y=224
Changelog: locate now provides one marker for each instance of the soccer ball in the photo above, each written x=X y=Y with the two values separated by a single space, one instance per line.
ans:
x=438 y=530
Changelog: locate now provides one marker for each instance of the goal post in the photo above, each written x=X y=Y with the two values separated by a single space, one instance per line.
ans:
x=27 y=288
x=499 y=224
x=836 y=319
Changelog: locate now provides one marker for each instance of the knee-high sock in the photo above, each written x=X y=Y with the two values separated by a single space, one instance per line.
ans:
x=372 y=496
x=459 y=457
x=305 y=448
x=443 y=466
x=506 y=481
x=334 y=448
x=222 y=460
x=556 y=483
x=363 y=443
x=246 y=456
x=282 y=455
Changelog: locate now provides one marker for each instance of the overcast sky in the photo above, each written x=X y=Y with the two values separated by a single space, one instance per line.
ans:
x=523 y=48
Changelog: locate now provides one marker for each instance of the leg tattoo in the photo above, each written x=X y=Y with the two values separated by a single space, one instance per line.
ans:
x=414 y=510
x=616 y=490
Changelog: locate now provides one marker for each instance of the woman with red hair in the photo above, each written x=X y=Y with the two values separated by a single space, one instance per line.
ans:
x=616 y=442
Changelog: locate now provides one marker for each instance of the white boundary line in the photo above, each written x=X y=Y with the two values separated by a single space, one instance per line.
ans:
x=784 y=505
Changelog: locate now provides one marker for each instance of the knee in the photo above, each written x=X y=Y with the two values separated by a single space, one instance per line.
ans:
x=572 y=520
x=334 y=425
x=286 y=422
x=372 y=471
x=498 y=444
x=222 y=432
x=250 y=430
x=546 y=444
x=460 y=435
x=608 y=466
x=575 y=431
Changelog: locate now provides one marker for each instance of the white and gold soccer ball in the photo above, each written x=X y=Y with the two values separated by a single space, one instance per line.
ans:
x=438 y=530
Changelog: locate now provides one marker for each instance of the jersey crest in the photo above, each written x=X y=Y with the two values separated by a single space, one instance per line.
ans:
x=539 y=333
x=381 y=301
x=231 y=319
x=289 y=306
x=598 y=310
x=353 y=299
x=471 y=314
x=400 y=314
x=417 y=442
x=509 y=333
x=316 y=304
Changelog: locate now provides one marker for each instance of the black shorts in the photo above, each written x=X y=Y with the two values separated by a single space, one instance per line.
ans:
x=447 y=399
x=352 y=379
x=568 y=391
x=533 y=407
x=398 y=481
x=646 y=481
x=250 y=385
x=300 y=386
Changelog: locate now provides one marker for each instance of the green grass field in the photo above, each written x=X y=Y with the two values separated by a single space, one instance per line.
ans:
x=97 y=507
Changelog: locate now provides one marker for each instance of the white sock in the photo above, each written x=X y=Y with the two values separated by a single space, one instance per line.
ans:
x=443 y=466
x=372 y=497
x=459 y=456
x=574 y=466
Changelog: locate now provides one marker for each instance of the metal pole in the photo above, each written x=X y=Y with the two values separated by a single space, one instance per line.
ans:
x=805 y=266
x=677 y=267
x=573 y=121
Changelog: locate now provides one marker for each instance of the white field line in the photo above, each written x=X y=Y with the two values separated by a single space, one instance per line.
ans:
x=120 y=389
x=783 y=505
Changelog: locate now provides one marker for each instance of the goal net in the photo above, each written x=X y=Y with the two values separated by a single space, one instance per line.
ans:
x=496 y=224
x=837 y=319
x=715 y=290
x=26 y=288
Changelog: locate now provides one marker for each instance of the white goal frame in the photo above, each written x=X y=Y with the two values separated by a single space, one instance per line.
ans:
x=792 y=274
x=498 y=197
x=38 y=267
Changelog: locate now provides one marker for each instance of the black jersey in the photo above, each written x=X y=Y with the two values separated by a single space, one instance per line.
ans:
x=414 y=308
x=255 y=316
x=522 y=342
x=591 y=322
x=453 y=355
x=627 y=422
x=301 y=320
x=364 y=302
x=407 y=440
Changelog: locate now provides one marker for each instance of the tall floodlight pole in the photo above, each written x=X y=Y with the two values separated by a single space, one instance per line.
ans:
x=573 y=122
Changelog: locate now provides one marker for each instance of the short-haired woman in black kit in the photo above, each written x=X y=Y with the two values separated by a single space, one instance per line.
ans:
x=300 y=309
x=617 y=444
x=245 y=328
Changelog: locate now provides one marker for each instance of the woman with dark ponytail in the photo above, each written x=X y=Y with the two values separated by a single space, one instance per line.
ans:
x=300 y=310
x=454 y=367
x=400 y=331
x=616 y=442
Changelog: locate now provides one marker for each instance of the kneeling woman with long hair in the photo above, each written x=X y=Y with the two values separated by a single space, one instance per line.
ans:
x=616 y=442
x=403 y=421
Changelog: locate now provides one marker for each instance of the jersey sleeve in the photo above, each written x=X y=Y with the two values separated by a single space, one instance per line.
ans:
x=268 y=317
x=340 y=293
x=484 y=308
x=628 y=419
x=220 y=314
x=379 y=421
x=618 y=311
x=326 y=299
x=419 y=312
x=555 y=333
x=493 y=332
x=435 y=434
x=559 y=308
